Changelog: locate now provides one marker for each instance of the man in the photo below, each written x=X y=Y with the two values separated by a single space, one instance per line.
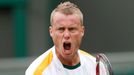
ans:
x=65 y=58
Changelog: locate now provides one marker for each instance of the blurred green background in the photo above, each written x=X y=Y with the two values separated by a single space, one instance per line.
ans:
x=24 y=32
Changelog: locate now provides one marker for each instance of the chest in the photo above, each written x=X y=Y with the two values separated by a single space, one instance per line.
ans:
x=59 y=70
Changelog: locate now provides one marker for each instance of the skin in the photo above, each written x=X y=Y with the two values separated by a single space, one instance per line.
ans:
x=67 y=29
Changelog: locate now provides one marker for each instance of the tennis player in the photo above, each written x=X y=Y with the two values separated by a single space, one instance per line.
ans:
x=65 y=57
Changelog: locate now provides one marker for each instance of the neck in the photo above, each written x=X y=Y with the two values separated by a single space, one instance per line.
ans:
x=69 y=60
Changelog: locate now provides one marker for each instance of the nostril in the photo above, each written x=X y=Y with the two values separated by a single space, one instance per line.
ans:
x=66 y=35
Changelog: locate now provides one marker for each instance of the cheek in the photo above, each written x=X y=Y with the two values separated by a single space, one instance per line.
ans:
x=77 y=39
x=56 y=37
x=78 y=36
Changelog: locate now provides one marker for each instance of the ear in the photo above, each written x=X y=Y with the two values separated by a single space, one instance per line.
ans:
x=50 y=31
x=83 y=30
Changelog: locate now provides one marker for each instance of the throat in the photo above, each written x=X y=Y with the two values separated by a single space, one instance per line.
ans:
x=70 y=62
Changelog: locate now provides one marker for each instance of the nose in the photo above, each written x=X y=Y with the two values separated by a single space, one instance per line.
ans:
x=66 y=34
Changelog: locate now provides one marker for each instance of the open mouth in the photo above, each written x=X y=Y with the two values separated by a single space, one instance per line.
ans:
x=67 y=45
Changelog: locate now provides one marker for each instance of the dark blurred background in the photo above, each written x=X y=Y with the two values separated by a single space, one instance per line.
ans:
x=24 y=32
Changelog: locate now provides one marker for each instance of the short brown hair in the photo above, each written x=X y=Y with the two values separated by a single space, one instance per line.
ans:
x=67 y=8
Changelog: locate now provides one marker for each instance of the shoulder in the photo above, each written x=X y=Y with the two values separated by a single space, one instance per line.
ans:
x=38 y=62
x=87 y=56
x=88 y=61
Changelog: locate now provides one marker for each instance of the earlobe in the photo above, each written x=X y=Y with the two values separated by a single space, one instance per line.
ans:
x=83 y=30
x=82 y=34
x=50 y=30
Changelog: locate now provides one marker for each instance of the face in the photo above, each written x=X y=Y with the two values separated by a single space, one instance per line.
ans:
x=66 y=32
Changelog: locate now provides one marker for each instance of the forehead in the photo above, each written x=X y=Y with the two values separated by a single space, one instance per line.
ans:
x=60 y=18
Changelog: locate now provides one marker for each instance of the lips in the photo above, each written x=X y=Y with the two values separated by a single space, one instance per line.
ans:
x=67 y=45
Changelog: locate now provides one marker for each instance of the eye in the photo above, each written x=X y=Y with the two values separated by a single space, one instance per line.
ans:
x=61 y=29
x=72 y=29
